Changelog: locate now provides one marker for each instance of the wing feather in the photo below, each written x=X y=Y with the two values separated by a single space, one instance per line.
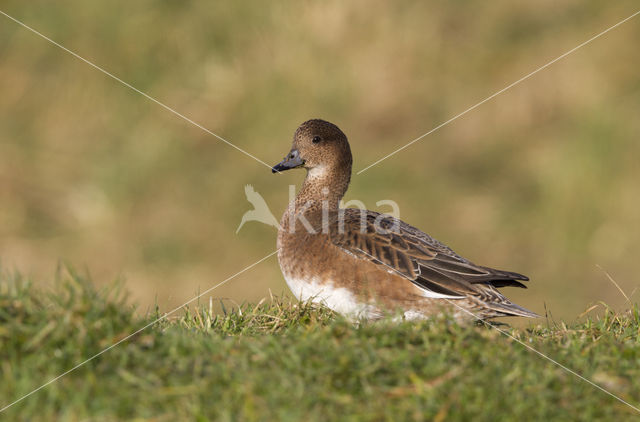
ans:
x=415 y=255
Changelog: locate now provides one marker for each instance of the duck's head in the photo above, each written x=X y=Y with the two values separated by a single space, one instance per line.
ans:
x=318 y=146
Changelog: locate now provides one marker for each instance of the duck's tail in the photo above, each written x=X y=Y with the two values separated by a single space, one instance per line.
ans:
x=510 y=309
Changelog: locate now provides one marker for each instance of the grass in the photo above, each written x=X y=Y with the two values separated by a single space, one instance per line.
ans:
x=278 y=360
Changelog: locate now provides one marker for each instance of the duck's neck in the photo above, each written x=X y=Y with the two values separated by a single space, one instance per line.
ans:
x=323 y=187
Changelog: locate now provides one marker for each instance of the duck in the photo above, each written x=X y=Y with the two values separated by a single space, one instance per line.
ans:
x=366 y=265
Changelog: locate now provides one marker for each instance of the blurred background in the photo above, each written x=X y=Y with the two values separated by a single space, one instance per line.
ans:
x=541 y=180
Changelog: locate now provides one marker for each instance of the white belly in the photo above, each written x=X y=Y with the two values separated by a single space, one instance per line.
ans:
x=337 y=299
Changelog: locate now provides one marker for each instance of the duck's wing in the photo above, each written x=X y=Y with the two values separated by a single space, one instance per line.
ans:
x=401 y=248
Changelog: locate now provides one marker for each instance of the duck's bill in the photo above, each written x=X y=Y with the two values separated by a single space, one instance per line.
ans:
x=291 y=161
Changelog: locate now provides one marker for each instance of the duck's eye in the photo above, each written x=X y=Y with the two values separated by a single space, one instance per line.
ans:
x=316 y=139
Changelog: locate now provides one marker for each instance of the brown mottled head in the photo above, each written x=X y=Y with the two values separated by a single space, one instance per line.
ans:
x=320 y=145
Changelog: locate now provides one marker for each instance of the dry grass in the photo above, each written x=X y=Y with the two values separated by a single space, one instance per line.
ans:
x=541 y=180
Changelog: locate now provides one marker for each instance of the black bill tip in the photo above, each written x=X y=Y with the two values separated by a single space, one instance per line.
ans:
x=291 y=161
